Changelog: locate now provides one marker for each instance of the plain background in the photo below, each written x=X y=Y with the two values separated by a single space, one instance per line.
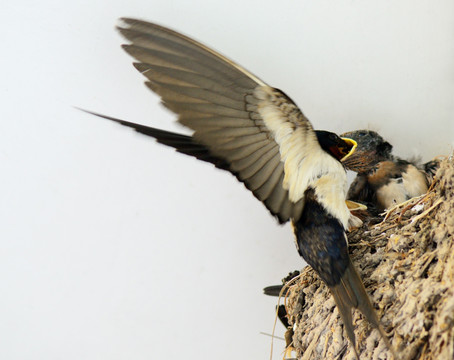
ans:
x=113 y=247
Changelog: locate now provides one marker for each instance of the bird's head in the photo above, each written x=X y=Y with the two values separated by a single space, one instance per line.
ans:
x=371 y=150
x=339 y=147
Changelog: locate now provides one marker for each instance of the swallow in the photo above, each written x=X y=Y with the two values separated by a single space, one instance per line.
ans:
x=255 y=131
x=383 y=179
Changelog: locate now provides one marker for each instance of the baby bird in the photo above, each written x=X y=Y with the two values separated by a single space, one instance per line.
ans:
x=383 y=179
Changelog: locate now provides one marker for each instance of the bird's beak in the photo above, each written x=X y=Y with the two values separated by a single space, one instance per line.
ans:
x=354 y=206
x=353 y=148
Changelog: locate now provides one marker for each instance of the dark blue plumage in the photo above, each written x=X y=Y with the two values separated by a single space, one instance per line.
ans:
x=321 y=240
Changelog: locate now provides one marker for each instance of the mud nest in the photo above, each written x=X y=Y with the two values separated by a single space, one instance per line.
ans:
x=407 y=266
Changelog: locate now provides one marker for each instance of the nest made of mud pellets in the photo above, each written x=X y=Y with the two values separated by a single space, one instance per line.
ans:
x=407 y=266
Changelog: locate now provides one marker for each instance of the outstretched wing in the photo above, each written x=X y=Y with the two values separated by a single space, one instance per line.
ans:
x=254 y=130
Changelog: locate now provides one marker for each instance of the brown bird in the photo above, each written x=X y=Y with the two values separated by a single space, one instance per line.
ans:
x=383 y=179
x=256 y=132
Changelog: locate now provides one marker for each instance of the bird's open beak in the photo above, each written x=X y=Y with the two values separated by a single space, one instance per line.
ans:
x=354 y=206
x=353 y=148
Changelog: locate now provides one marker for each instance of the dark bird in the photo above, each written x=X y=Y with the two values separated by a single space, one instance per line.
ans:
x=257 y=133
x=383 y=179
x=281 y=311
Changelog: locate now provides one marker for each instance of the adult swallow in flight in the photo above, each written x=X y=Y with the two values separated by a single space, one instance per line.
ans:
x=383 y=179
x=256 y=132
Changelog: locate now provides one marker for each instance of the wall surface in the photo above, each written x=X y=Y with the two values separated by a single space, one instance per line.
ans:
x=113 y=247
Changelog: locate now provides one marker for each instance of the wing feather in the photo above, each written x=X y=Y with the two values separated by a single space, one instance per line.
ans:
x=231 y=143
x=167 y=75
x=201 y=95
x=254 y=157
x=262 y=173
x=261 y=165
x=242 y=152
x=219 y=122
x=206 y=108
x=220 y=132
x=274 y=184
x=240 y=124
x=153 y=34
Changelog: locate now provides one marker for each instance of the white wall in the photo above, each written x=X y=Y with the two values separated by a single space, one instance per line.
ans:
x=113 y=247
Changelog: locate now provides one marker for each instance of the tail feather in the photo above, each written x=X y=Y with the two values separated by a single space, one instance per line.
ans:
x=273 y=290
x=349 y=294
x=182 y=143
